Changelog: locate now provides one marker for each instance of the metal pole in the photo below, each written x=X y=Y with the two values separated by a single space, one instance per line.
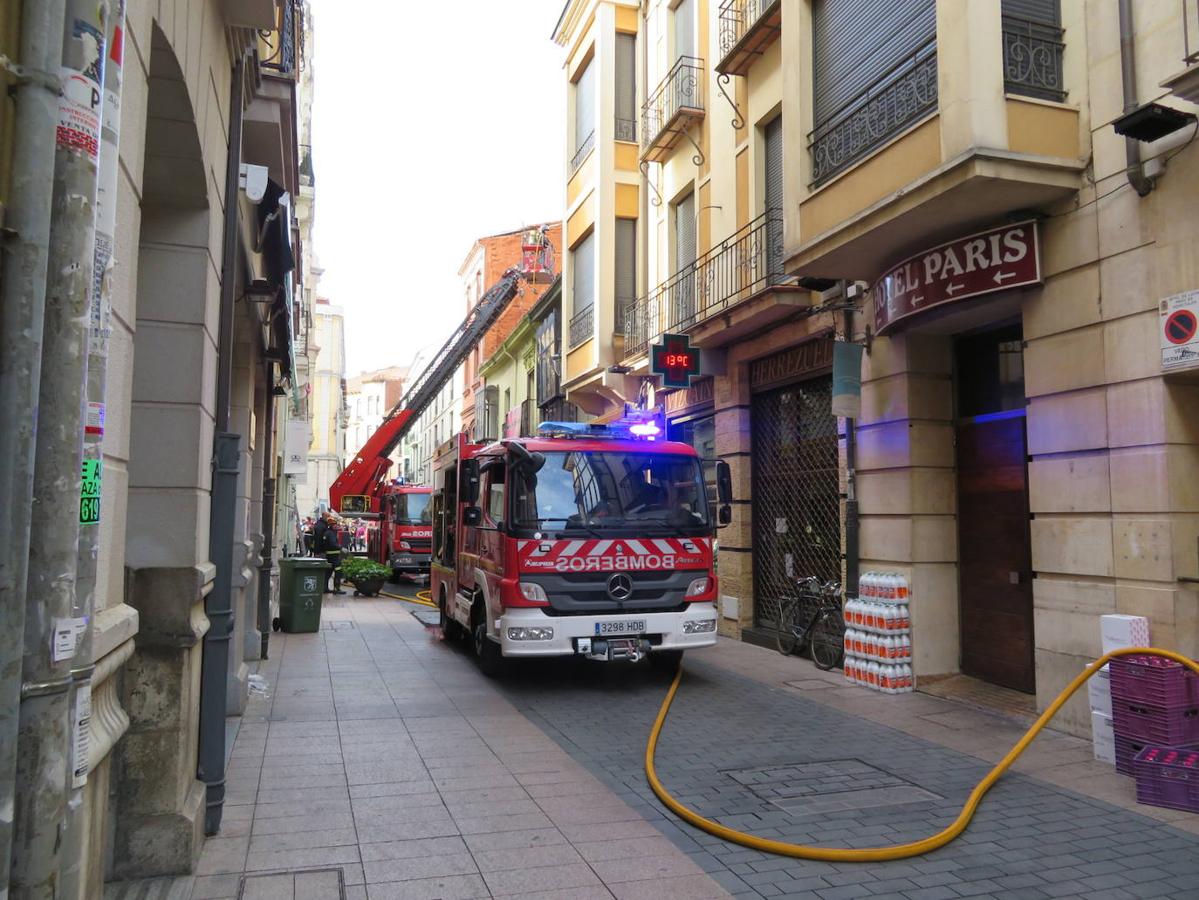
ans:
x=852 y=545
x=267 y=561
x=218 y=605
x=73 y=870
x=45 y=741
x=25 y=253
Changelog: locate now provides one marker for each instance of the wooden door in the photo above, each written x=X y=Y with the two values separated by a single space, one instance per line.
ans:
x=994 y=552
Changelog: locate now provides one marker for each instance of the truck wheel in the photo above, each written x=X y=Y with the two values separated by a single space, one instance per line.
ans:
x=665 y=660
x=487 y=651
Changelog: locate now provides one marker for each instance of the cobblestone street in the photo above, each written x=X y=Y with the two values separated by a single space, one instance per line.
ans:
x=382 y=764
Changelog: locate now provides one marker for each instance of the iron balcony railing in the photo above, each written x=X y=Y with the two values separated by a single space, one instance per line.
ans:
x=626 y=129
x=281 y=55
x=581 y=154
x=1032 y=59
x=738 y=19
x=681 y=91
x=744 y=264
x=905 y=93
x=582 y=324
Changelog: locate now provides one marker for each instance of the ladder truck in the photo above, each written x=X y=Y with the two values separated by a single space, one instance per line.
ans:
x=402 y=540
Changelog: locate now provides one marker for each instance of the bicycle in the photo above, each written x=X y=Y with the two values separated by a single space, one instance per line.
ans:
x=813 y=619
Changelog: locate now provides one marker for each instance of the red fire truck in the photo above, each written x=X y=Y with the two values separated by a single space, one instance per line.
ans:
x=405 y=534
x=595 y=541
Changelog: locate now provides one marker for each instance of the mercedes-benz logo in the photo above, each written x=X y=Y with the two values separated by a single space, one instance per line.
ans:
x=620 y=587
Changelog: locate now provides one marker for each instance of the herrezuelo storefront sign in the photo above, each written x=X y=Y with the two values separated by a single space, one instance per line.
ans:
x=995 y=260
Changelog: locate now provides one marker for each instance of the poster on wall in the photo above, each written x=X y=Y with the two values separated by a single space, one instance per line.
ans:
x=1179 y=316
x=295 y=448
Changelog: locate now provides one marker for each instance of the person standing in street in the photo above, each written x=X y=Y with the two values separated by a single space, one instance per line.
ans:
x=328 y=542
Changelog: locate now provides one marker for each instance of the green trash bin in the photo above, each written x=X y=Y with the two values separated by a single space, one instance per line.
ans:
x=301 y=583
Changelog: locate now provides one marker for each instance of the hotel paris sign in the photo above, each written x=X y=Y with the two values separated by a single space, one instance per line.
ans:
x=995 y=260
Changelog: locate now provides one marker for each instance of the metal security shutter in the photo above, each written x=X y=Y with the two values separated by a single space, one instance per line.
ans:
x=855 y=42
x=774 y=164
x=585 y=106
x=682 y=303
x=626 y=87
x=684 y=29
x=1046 y=11
x=583 y=260
x=626 y=268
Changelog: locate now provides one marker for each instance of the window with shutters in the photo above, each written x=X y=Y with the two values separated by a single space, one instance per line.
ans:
x=583 y=285
x=626 y=87
x=1032 y=48
x=585 y=100
x=874 y=75
x=681 y=303
x=626 y=269
x=684 y=28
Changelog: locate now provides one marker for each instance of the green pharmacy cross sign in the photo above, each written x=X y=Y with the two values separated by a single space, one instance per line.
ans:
x=675 y=360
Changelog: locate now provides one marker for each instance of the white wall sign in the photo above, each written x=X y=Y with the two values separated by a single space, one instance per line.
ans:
x=1179 y=332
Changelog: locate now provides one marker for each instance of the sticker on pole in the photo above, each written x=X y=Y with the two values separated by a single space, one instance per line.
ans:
x=95 y=419
x=81 y=734
x=89 y=495
x=80 y=103
x=1179 y=316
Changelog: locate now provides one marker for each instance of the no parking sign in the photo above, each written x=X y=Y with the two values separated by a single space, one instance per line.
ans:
x=1180 y=331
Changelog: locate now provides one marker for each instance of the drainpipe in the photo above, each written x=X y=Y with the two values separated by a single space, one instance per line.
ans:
x=24 y=246
x=226 y=461
x=45 y=744
x=852 y=552
x=267 y=561
x=1128 y=81
x=88 y=552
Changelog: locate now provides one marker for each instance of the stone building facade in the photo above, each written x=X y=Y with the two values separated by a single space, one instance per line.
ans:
x=1020 y=455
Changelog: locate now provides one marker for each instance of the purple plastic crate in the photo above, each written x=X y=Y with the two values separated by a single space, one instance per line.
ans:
x=1168 y=777
x=1155 y=724
x=1128 y=748
x=1154 y=679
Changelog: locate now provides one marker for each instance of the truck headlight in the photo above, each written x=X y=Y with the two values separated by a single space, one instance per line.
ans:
x=698 y=587
x=699 y=626
x=404 y=545
x=533 y=633
x=534 y=593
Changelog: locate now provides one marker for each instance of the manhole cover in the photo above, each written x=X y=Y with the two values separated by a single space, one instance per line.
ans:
x=302 y=884
x=826 y=785
x=337 y=625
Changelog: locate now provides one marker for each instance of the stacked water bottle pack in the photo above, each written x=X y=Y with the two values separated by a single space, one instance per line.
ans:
x=878 y=626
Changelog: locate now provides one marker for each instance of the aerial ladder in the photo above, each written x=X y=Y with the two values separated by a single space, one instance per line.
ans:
x=358 y=488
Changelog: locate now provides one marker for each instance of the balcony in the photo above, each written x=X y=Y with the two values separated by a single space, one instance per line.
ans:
x=747 y=29
x=626 y=130
x=676 y=105
x=582 y=153
x=278 y=51
x=737 y=286
x=1032 y=59
x=1185 y=84
x=904 y=94
x=582 y=325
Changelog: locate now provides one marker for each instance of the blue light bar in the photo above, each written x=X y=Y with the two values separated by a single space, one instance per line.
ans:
x=574 y=429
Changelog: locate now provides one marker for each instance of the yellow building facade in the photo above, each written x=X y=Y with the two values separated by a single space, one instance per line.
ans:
x=1019 y=456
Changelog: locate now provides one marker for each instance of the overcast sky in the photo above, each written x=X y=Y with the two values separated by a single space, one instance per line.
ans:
x=433 y=124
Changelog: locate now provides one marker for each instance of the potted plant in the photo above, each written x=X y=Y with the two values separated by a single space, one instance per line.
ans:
x=367 y=576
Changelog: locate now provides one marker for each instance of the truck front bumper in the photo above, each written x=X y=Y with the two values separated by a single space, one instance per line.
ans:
x=665 y=631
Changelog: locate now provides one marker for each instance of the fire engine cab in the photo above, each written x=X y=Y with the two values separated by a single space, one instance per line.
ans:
x=585 y=540
x=405 y=533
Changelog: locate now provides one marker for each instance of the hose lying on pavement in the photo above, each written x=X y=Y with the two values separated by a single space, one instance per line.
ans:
x=896 y=851
x=424 y=598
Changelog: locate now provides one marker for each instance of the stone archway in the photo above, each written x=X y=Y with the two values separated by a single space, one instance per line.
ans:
x=160 y=817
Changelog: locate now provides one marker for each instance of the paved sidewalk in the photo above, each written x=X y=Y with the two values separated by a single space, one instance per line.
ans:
x=382 y=757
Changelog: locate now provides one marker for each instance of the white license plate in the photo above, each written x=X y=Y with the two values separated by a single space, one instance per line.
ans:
x=627 y=626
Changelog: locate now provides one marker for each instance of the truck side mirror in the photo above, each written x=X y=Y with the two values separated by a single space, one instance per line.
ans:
x=724 y=482
x=472 y=515
x=724 y=515
x=470 y=481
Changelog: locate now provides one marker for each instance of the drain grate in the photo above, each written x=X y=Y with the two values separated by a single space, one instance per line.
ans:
x=826 y=785
x=298 y=884
x=337 y=625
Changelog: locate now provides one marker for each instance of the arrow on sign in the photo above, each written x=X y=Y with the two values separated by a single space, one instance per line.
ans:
x=953 y=289
x=1001 y=277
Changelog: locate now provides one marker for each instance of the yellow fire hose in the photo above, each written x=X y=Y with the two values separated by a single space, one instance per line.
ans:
x=424 y=598
x=898 y=851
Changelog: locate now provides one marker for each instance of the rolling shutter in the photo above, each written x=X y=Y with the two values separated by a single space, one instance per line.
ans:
x=684 y=29
x=583 y=259
x=856 y=42
x=626 y=268
x=774 y=164
x=584 y=106
x=1046 y=11
x=626 y=87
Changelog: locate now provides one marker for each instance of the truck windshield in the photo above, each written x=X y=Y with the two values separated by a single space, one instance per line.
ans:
x=608 y=490
x=412 y=509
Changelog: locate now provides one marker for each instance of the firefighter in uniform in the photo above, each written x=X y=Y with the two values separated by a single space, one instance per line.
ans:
x=328 y=542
